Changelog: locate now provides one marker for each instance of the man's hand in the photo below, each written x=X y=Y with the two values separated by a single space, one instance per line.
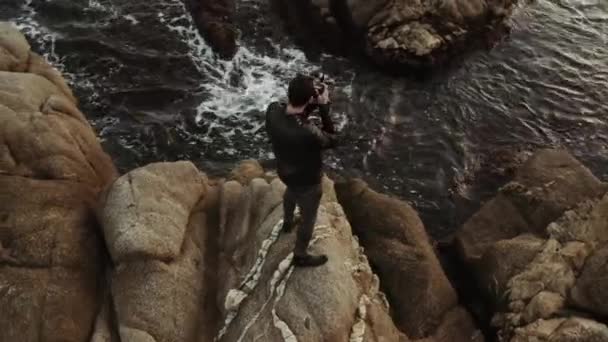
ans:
x=323 y=98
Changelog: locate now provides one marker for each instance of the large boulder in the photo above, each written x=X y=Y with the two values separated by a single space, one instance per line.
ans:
x=146 y=212
x=397 y=32
x=156 y=232
x=52 y=169
x=399 y=250
x=262 y=296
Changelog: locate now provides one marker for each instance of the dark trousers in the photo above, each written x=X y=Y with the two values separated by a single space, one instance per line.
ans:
x=307 y=199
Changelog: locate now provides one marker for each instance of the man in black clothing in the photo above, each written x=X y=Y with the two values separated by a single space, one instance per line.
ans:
x=297 y=144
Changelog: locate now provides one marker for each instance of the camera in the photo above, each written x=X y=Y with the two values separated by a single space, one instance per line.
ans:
x=320 y=81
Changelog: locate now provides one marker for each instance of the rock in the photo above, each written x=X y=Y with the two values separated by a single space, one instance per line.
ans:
x=591 y=289
x=215 y=22
x=14 y=49
x=580 y=330
x=264 y=297
x=104 y=330
x=39 y=66
x=159 y=299
x=549 y=183
x=462 y=11
x=361 y=11
x=398 y=247
x=145 y=212
x=497 y=220
x=575 y=253
x=548 y=271
x=574 y=329
x=315 y=24
x=15 y=56
x=536 y=249
x=45 y=136
x=540 y=330
x=543 y=305
x=51 y=171
x=538 y=291
x=504 y=260
x=155 y=222
x=588 y=223
x=458 y=326
x=246 y=171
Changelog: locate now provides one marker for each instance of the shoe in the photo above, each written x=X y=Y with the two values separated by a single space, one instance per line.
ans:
x=308 y=260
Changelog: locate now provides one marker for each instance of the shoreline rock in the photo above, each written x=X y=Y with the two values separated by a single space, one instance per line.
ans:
x=535 y=249
x=395 y=34
x=422 y=299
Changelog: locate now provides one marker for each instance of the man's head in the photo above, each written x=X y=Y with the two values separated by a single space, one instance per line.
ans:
x=301 y=90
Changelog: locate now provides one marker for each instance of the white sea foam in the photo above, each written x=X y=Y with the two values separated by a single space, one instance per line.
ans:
x=43 y=36
x=131 y=19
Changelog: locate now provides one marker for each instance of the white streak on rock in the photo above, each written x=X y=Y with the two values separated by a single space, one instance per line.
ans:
x=283 y=271
x=235 y=297
x=278 y=283
x=358 y=331
x=252 y=278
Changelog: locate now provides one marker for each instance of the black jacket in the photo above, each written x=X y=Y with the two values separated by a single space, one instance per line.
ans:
x=297 y=144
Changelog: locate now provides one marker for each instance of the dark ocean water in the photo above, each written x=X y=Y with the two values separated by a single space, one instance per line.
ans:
x=154 y=91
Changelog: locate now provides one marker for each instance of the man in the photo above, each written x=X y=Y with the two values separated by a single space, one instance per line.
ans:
x=297 y=144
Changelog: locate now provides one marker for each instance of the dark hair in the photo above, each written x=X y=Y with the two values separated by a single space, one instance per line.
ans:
x=301 y=89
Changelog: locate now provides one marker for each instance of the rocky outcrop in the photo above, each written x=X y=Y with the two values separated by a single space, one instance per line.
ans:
x=395 y=32
x=51 y=171
x=264 y=297
x=423 y=302
x=538 y=251
x=155 y=229
x=232 y=268
x=215 y=22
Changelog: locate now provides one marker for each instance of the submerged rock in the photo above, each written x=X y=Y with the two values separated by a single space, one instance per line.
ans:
x=215 y=21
